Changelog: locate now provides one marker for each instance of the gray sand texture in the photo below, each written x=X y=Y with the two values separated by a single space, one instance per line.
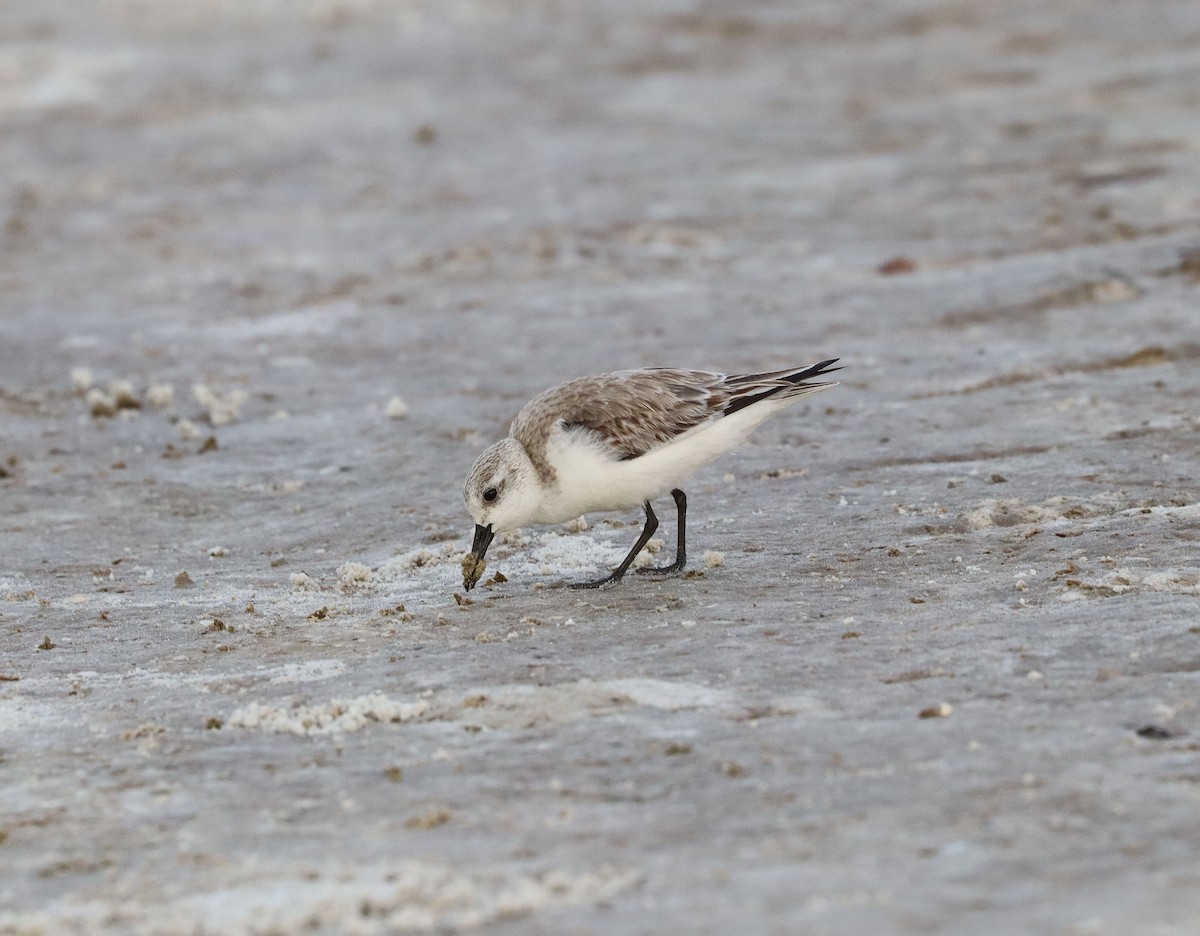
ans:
x=271 y=276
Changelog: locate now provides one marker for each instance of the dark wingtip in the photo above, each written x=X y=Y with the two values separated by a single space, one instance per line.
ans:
x=815 y=371
x=797 y=380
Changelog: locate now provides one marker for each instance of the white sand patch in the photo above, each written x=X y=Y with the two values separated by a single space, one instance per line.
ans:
x=338 y=716
x=321 y=319
x=1176 y=581
x=49 y=79
x=1170 y=512
x=520 y=707
x=1006 y=513
x=16 y=588
x=410 y=897
x=404 y=565
x=1061 y=510
x=524 y=558
x=510 y=707
x=22 y=714
x=670 y=696
x=528 y=558
x=1121 y=581
x=557 y=554
x=309 y=671
x=517 y=707
x=1067 y=510
x=82 y=380
x=435 y=568
x=405 y=897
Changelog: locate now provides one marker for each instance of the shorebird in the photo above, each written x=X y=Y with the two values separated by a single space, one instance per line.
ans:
x=619 y=440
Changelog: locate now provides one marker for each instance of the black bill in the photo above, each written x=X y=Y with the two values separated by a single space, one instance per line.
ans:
x=483 y=539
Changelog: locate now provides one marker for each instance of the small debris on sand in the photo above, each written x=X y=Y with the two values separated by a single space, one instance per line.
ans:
x=338 y=716
x=472 y=567
x=429 y=820
x=221 y=408
x=396 y=408
x=160 y=395
x=123 y=395
x=81 y=380
x=353 y=573
x=100 y=404
x=302 y=582
x=897 y=265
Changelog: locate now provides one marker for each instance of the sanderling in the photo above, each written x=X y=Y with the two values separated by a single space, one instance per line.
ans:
x=614 y=441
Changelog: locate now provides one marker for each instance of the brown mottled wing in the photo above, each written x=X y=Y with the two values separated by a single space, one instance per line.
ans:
x=633 y=411
x=637 y=411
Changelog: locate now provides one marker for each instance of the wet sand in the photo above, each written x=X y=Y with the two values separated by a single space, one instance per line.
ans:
x=939 y=672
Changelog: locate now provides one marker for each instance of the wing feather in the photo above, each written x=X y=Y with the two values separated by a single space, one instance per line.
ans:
x=633 y=412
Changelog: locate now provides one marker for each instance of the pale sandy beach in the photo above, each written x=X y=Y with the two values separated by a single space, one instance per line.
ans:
x=273 y=274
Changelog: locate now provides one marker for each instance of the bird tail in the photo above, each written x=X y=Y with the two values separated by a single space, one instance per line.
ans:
x=825 y=367
x=750 y=388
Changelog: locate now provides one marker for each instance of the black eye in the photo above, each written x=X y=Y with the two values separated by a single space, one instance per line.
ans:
x=490 y=495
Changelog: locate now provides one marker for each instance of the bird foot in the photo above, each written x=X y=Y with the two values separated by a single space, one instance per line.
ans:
x=599 y=583
x=661 y=570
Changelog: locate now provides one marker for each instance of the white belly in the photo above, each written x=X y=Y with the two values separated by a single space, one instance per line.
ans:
x=588 y=479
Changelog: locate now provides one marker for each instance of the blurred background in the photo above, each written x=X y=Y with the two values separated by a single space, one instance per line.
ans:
x=273 y=273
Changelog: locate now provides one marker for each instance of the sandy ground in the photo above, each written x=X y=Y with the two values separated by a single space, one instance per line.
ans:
x=944 y=681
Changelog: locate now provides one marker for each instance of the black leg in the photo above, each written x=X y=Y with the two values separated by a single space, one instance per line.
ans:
x=681 y=540
x=647 y=532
